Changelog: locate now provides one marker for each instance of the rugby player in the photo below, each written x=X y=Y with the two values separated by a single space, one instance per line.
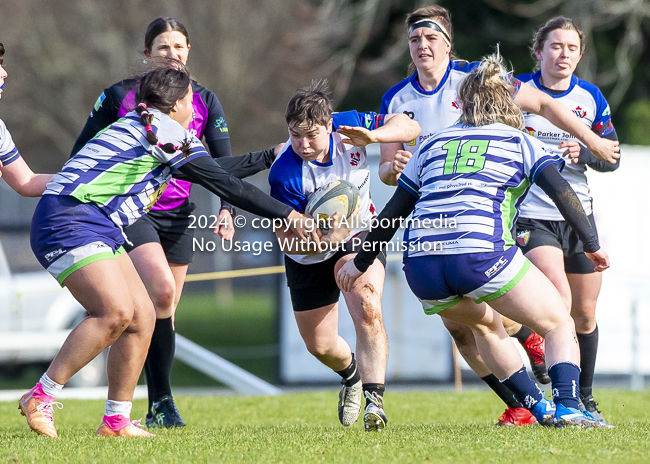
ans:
x=478 y=172
x=542 y=233
x=315 y=155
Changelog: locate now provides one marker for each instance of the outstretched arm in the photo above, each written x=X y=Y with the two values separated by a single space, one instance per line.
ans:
x=396 y=128
x=535 y=101
x=22 y=179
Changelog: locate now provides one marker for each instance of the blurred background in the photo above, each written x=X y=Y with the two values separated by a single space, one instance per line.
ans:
x=254 y=54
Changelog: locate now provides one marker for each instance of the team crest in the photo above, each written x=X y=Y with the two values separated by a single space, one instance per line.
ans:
x=530 y=130
x=580 y=112
x=455 y=105
x=523 y=237
x=355 y=159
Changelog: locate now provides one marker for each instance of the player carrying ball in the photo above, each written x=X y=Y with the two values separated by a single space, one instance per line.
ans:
x=316 y=154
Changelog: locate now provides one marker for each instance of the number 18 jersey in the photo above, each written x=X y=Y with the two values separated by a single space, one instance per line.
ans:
x=473 y=178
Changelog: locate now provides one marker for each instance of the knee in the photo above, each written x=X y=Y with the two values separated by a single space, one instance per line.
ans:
x=368 y=313
x=461 y=334
x=585 y=322
x=162 y=297
x=319 y=347
x=118 y=320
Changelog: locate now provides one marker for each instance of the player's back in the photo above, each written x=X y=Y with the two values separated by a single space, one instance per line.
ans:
x=478 y=176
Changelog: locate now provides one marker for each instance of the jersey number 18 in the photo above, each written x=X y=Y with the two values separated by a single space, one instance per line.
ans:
x=469 y=158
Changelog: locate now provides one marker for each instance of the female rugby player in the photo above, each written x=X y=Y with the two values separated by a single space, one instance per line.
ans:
x=77 y=236
x=542 y=233
x=160 y=244
x=315 y=155
x=477 y=172
x=429 y=96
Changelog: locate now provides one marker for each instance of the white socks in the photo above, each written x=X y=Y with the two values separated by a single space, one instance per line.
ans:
x=50 y=387
x=114 y=408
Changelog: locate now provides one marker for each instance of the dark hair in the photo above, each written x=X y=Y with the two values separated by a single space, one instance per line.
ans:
x=160 y=25
x=437 y=13
x=541 y=34
x=310 y=105
x=2 y=53
x=161 y=88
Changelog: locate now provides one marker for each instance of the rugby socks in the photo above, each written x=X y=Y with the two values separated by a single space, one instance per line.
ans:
x=501 y=390
x=588 y=349
x=117 y=414
x=525 y=390
x=370 y=388
x=350 y=374
x=50 y=387
x=158 y=365
x=564 y=379
x=523 y=334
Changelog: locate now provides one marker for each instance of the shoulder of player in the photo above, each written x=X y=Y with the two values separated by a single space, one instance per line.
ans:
x=119 y=90
x=527 y=78
x=394 y=90
x=463 y=66
x=593 y=90
x=206 y=95
x=286 y=164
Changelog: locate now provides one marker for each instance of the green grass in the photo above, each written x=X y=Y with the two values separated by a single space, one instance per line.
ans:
x=424 y=427
x=247 y=321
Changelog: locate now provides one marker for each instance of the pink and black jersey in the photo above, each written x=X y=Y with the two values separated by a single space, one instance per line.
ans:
x=209 y=124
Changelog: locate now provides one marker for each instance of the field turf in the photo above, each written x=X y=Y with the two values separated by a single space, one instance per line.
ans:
x=303 y=428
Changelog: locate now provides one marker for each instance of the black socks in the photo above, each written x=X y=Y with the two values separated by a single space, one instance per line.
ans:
x=502 y=391
x=588 y=349
x=158 y=365
x=350 y=374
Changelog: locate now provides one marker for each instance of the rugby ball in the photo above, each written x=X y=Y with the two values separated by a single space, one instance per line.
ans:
x=339 y=196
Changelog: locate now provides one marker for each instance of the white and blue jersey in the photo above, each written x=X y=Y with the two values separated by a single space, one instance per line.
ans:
x=476 y=177
x=120 y=171
x=8 y=151
x=293 y=180
x=588 y=103
x=434 y=110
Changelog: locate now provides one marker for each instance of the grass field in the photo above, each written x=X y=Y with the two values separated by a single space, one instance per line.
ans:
x=303 y=428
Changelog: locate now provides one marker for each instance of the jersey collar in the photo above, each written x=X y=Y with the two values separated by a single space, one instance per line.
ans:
x=538 y=75
x=330 y=162
x=416 y=83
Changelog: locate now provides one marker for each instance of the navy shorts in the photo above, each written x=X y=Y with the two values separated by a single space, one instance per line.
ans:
x=442 y=281
x=67 y=235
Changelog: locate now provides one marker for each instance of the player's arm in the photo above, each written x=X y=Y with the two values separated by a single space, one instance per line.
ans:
x=567 y=202
x=392 y=162
x=396 y=210
x=396 y=128
x=104 y=113
x=22 y=179
x=205 y=171
x=581 y=154
x=537 y=102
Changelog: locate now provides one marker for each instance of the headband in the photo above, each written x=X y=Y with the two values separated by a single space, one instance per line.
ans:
x=431 y=24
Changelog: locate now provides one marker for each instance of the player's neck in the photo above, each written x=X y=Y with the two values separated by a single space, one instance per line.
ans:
x=430 y=79
x=555 y=83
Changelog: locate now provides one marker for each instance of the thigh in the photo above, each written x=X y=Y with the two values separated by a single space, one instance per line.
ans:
x=365 y=297
x=533 y=301
x=319 y=325
x=143 y=311
x=152 y=266
x=468 y=313
x=550 y=260
x=311 y=286
x=585 y=289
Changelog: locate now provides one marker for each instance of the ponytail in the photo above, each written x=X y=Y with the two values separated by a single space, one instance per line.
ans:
x=145 y=119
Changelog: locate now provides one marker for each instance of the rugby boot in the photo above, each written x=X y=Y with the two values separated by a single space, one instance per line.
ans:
x=38 y=409
x=164 y=413
x=570 y=417
x=544 y=412
x=534 y=347
x=121 y=426
x=374 y=419
x=350 y=403
x=516 y=417
x=587 y=403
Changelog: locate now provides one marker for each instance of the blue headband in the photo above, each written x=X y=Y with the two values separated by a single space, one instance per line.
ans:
x=431 y=24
